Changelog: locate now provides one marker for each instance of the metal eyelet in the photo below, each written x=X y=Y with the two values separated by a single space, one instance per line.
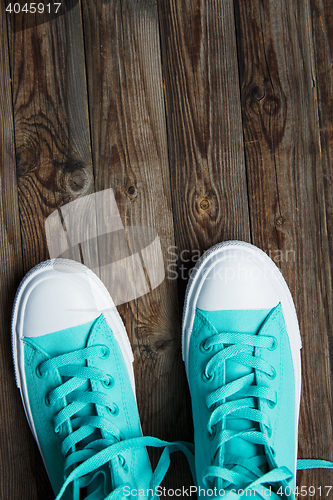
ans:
x=38 y=373
x=275 y=344
x=114 y=410
x=105 y=352
x=108 y=383
x=207 y=378
x=204 y=349
x=271 y=376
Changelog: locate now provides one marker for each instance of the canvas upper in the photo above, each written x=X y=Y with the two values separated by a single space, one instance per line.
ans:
x=77 y=383
x=220 y=355
x=101 y=409
x=241 y=350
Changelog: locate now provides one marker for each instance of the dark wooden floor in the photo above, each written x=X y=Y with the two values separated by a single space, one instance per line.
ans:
x=211 y=120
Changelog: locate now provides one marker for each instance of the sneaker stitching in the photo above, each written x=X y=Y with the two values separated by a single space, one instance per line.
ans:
x=206 y=321
x=200 y=320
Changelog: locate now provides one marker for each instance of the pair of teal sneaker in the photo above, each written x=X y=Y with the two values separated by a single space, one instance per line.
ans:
x=241 y=348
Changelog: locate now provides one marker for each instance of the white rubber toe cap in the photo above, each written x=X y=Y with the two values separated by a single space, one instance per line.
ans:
x=57 y=301
x=235 y=275
x=59 y=294
x=238 y=280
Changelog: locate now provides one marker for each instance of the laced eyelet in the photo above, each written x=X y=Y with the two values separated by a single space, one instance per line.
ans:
x=114 y=410
x=212 y=407
x=108 y=383
x=271 y=404
x=269 y=432
x=57 y=430
x=207 y=378
x=38 y=373
x=123 y=463
x=212 y=433
x=48 y=402
x=274 y=345
x=105 y=352
x=271 y=376
x=204 y=349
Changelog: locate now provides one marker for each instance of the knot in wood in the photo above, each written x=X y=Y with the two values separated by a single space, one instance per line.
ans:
x=204 y=204
x=258 y=93
x=77 y=181
x=76 y=178
x=279 y=221
x=272 y=105
x=131 y=192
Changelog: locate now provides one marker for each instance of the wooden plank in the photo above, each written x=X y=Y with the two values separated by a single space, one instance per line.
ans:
x=16 y=443
x=130 y=156
x=322 y=25
x=51 y=123
x=209 y=198
x=206 y=156
x=53 y=162
x=286 y=195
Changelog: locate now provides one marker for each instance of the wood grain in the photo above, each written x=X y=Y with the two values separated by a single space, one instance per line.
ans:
x=16 y=443
x=322 y=25
x=286 y=192
x=52 y=145
x=204 y=125
x=130 y=154
x=210 y=121
x=51 y=123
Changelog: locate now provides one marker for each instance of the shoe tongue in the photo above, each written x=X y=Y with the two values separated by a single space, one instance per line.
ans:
x=238 y=322
x=64 y=341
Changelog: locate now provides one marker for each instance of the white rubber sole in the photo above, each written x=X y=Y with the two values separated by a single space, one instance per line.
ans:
x=104 y=304
x=224 y=251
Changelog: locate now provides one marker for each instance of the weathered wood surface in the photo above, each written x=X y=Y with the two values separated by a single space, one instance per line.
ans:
x=286 y=191
x=53 y=160
x=319 y=402
x=210 y=121
x=204 y=125
x=51 y=123
x=16 y=443
x=129 y=144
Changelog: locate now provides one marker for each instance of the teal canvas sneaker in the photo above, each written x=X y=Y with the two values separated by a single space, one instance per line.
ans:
x=73 y=365
x=241 y=348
